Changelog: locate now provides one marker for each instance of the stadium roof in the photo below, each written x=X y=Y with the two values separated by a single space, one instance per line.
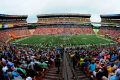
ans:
x=63 y=15
x=5 y=16
x=111 y=16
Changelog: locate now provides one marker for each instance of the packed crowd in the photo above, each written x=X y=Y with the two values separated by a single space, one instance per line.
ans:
x=111 y=31
x=97 y=63
x=18 y=33
x=63 y=30
x=4 y=37
x=11 y=34
x=18 y=63
x=7 y=35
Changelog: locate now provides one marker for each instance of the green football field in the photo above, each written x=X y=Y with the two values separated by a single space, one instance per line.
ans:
x=66 y=40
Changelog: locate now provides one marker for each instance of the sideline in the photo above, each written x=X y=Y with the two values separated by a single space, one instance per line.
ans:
x=21 y=39
x=106 y=38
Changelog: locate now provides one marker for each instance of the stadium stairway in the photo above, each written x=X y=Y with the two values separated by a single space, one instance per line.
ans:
x=77 y=73
x=80 y=74
x=51 y=74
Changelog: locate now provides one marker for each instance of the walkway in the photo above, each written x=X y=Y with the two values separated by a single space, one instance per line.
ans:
x=51 y=74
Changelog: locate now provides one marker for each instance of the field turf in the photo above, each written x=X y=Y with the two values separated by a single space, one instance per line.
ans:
x=66 y=40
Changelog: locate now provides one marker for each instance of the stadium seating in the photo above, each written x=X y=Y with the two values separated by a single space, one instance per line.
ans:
x=7 y=35
x=111 y=31
x=43 y=66
x=10 y=34
x=106 y=65
x=19 y=33
x=4 y=36
x=49 y=62
x=49 y=30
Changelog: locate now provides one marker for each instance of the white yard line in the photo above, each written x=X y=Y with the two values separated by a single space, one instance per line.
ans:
x=22 y=39
x=105 y=38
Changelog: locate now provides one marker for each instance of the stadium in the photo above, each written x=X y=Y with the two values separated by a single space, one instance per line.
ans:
x=59 y=46
x=54 y=31
x=60 y=30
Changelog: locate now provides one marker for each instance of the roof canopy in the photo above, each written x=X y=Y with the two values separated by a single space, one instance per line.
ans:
x=111 y=16
x=63 y=15
x=4 y=16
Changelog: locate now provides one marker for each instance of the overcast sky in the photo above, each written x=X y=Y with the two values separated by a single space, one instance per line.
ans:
x=34 y=7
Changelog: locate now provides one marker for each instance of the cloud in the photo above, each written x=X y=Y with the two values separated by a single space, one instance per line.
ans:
x=29 y=7
x=34 y=7
x=59 y=6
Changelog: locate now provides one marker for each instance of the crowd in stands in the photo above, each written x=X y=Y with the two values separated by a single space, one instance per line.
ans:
x=4 y=36
x=11 y=34
x=57 y=30
x=19 y=63
x=97 y=63
x=26 y=63
x=111 y=31
x=63 y=30
x=7 y=35
x=18 y=33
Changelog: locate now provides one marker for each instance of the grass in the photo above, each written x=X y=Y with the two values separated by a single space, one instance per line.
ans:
x=66 y=40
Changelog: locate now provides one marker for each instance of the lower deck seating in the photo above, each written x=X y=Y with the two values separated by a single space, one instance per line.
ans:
x=19 y=33
x=4 y=36
x=29 y=64
x=111 y=31
x=7 y=35
x=59 y=31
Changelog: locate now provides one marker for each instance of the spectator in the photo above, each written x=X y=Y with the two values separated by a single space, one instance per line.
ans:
x=58 y=62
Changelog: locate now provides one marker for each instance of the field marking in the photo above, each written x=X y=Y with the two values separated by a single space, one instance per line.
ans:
x=66 y=37
x=105 y=38
x=18 y=40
